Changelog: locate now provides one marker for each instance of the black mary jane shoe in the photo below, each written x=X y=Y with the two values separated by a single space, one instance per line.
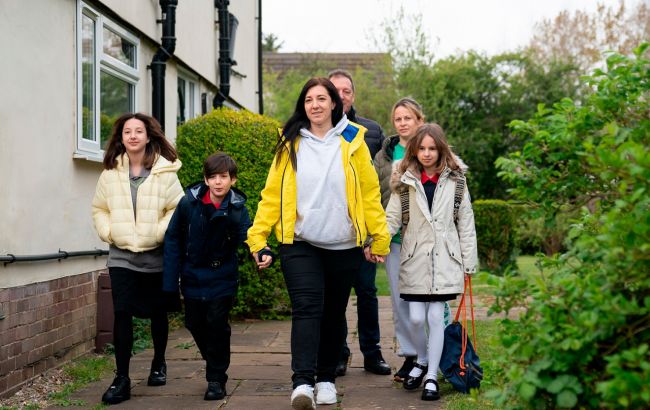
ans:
x=430 y=395
x=412 y=383
x=404 y=371
x=215 y=391
x=119 y=390
x=157 y=375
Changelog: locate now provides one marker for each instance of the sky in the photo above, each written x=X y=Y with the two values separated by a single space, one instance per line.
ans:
x=491 y=26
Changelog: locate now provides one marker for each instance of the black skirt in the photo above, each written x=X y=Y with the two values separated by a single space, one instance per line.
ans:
x=137 y=293
x=428 y=298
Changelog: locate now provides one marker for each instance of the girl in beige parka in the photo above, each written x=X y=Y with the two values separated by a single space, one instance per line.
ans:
x=436 y=251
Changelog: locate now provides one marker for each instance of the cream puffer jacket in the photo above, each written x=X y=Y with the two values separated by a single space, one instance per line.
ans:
x=435 y=252
x=157 y=198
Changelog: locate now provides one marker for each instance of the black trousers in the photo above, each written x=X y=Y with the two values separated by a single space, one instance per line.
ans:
x=367 y=312
x=207 y=320
x=319 y=283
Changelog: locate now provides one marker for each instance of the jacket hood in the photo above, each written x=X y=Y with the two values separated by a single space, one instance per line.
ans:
x=197 y=190
x=388 y=146
x=160 y=164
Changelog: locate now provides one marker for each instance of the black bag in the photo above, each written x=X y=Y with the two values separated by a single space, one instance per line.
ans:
x=459 y=363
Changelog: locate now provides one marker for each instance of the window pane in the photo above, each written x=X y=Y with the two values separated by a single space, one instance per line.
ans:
x=182 y=100
x=116 y=98
x=117 y=47
x=88 y=78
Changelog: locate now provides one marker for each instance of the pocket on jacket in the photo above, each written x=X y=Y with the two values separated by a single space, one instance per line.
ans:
x=454 y=252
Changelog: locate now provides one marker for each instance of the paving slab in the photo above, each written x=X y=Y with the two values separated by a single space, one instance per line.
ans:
x=260 y=373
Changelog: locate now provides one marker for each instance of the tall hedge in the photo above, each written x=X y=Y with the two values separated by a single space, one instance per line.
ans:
x=495 y=234
x=249 y=138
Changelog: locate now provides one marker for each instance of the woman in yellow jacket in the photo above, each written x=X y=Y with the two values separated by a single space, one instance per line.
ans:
x=135 y=198
x=322 y=200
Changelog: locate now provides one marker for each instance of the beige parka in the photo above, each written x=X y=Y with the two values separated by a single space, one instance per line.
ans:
x=436 y=253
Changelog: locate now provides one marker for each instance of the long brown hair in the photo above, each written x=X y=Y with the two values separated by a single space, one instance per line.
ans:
x=298 y=120
x=446 y=157
x=157 y=145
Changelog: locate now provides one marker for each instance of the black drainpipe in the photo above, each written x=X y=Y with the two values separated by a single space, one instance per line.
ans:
x=158 y=64
x=224 y=53
x=260 y=95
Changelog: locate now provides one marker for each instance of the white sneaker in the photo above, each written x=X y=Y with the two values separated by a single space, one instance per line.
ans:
x=302 y=398
x=325 y=393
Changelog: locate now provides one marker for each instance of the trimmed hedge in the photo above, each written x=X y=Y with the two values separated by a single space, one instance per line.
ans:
x=249 y=139
x=495 y=234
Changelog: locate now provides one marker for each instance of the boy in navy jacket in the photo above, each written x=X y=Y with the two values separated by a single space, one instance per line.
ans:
x=209 y=224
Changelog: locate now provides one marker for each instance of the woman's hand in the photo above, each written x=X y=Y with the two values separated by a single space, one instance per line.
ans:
x=371 y=257
x=265 y=261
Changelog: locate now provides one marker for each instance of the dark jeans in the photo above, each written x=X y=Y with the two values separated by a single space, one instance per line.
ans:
x=367 y=311
x=207 y=320
x=319 y=283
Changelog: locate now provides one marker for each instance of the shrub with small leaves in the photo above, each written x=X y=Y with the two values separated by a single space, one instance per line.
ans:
x=584 y=337
x=249 y=139
x=495 y=234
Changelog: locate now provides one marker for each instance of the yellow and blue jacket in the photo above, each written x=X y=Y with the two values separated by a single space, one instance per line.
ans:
x=277 y=208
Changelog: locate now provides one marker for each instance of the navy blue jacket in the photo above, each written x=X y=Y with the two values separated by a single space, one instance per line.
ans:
x=201 y=244
x=374 y=136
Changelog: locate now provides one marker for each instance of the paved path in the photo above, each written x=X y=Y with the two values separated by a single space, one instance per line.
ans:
x=260 y=373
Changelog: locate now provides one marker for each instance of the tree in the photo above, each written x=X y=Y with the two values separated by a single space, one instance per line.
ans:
x=581 y=37
x=474 y=97
x=375 y=90
x=271 y=43
x=584 y=335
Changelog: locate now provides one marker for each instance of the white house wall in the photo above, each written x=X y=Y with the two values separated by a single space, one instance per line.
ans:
x=45 y=194
x=244 y=90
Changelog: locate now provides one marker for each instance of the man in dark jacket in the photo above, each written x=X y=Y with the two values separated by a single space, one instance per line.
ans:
x=208 y=225
x=364 y=283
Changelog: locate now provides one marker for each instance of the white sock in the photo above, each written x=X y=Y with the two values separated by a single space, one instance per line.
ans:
x=416 y=371
x=430 y=386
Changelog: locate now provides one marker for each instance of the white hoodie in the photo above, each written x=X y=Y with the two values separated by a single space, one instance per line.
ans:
x=322 y=209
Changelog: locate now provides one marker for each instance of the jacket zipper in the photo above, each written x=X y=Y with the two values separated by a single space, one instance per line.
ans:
x=360 y=240
x=281 y=199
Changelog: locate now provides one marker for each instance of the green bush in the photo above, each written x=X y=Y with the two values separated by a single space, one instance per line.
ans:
x=583 y=336
x=495 y=234
x=249 y=138
x=533 y=234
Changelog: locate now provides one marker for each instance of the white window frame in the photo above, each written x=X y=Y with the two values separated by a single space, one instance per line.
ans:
x=91 y=149
x=192 y=90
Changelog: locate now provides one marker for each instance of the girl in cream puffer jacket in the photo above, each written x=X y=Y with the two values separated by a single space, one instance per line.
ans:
x=135 y=198
x=437 y=252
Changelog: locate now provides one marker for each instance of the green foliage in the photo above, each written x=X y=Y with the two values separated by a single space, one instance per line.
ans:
x=474 y=97
x=534 y=234
x=83 y=371
x=584 y=336
x=495 y=234
x=249 y=138
x=375 y=91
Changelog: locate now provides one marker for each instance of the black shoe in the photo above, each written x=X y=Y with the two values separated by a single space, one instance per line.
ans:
x=430 y=395
x=157 y=375
x=404 y=371
x=342 y=366
x=215 y=391
x=412 y=383
x=119 y=390
x=376 y=364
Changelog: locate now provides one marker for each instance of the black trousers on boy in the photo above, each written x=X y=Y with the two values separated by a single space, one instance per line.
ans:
x=207 y=320
x=319 y=283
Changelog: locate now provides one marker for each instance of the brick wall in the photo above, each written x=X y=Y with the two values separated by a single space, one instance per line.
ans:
x=44 y=325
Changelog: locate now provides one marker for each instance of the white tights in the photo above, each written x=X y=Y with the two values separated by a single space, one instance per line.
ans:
x=431 y=314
